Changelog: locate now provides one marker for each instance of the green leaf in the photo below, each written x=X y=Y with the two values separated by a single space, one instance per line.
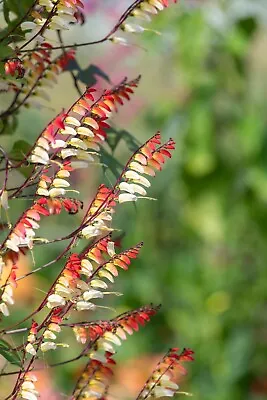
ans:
x=26 y=171
x=111 y=163
x=8 y=353
x=19 y=150
x=114 y=137
x=6 y=11
x=5 y=50
x=20 y=8
x=8 y=125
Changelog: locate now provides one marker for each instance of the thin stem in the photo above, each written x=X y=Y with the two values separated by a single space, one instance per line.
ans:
x=123 y=17
x=43 y=28
x=14 y=331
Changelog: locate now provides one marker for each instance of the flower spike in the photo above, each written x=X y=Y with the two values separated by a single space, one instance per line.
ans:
x=162 y=381
x=81 y=132
x=146 y=161
x=50 y=15
x=94 y=381
x=142 y=10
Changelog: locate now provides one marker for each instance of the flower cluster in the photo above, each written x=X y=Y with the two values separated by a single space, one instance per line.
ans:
x=91 y=331
x=82 y=277
x=39 y=71
x=22 y=233
x=70 y=141
x=141 y=10
x=85 y=123
x=81 y=131
x=95 y=379
x=56 y=186
x=53 y=189
x=46 y=339
x=72 y=206
x=14 y=67
x=7 y=291
x=28 y=390
x=47 y=141
x=161 y=383
x=144 y=162
x=99 y=216
x=50 y=15
x=22 y=236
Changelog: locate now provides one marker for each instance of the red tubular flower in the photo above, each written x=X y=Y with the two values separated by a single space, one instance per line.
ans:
x=34 y=326
x=72 y=206
x=15 y=66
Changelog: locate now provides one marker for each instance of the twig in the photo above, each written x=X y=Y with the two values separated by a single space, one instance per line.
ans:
x=123 y=17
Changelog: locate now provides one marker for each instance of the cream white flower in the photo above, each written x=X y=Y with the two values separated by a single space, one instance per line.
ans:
x=82 y=130
x=56 y=192
x=156 y=3
x=103 y=344
x=57 y=144
x=97 y=283
x=42 y=192
x=28 y=390
x=91 y=122
x=132 y=28
x=68 y=131
x=46 y=346
x=49 y=335
x=63 y=173
x=124 y=197
x=7 y=295
x=132 y=175
x=30 y=349
x=99 y=356
x=84 y=305
x=111 y=249
x=136 y=167
x=42 y=142
x=10 y=244
x=27 y=25
x=40 y=152
x=4 y=200
x=54 y=327
x=68 y=153
x=60 y=183
x=54 y=300
x=78 y=143
x=4 y=309
x=92 y=294
x=72 y=121
x=87 y=267
x=37 y=160
x=119 y=40
x=160 y=391
x=112 y=338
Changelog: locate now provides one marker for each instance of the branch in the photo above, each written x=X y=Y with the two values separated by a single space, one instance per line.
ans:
x=123 y=17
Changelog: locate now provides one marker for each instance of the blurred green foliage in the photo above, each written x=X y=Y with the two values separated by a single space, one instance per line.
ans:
x=205 y=238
